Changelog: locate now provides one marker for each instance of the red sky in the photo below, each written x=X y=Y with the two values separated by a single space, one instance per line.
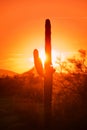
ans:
x=22 y=29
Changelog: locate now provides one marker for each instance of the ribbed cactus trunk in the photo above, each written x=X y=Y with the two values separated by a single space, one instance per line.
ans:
x=48 y=75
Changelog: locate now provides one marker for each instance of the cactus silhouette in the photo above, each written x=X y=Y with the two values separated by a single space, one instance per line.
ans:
x=48 y=75
x=38 y=63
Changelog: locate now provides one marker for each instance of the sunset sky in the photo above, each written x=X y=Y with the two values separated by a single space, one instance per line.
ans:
x=22 y=29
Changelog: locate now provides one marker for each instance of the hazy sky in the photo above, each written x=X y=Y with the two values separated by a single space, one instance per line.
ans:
x=22 y=29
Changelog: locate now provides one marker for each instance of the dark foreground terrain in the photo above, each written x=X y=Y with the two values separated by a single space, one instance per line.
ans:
x=21 y=102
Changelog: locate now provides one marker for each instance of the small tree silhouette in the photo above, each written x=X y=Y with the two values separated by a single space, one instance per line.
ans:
x=79 y=64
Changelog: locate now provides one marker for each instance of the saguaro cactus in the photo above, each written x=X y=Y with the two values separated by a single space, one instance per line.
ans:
x=48 y=75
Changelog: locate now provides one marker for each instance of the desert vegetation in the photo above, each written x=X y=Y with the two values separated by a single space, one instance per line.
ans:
x=21 y=98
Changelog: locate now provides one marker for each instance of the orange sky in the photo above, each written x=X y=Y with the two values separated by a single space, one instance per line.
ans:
x=22 y=29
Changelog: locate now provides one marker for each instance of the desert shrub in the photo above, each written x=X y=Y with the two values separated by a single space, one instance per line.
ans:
x=70 y=99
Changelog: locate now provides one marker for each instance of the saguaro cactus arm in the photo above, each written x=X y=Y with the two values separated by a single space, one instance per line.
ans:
x=38 y=63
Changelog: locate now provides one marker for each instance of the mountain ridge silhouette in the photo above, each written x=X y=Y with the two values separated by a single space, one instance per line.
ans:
x=5 y=72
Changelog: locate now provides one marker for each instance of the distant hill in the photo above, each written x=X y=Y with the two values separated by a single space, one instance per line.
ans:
x=31 y=71
x=7 y=72
x=11 y=73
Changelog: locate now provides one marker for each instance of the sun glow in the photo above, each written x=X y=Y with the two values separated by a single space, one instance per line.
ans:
x=58 y=57
x=43 y=57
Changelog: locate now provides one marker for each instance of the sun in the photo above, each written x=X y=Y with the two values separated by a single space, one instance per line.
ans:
x=43 y=57
x=57 y=56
